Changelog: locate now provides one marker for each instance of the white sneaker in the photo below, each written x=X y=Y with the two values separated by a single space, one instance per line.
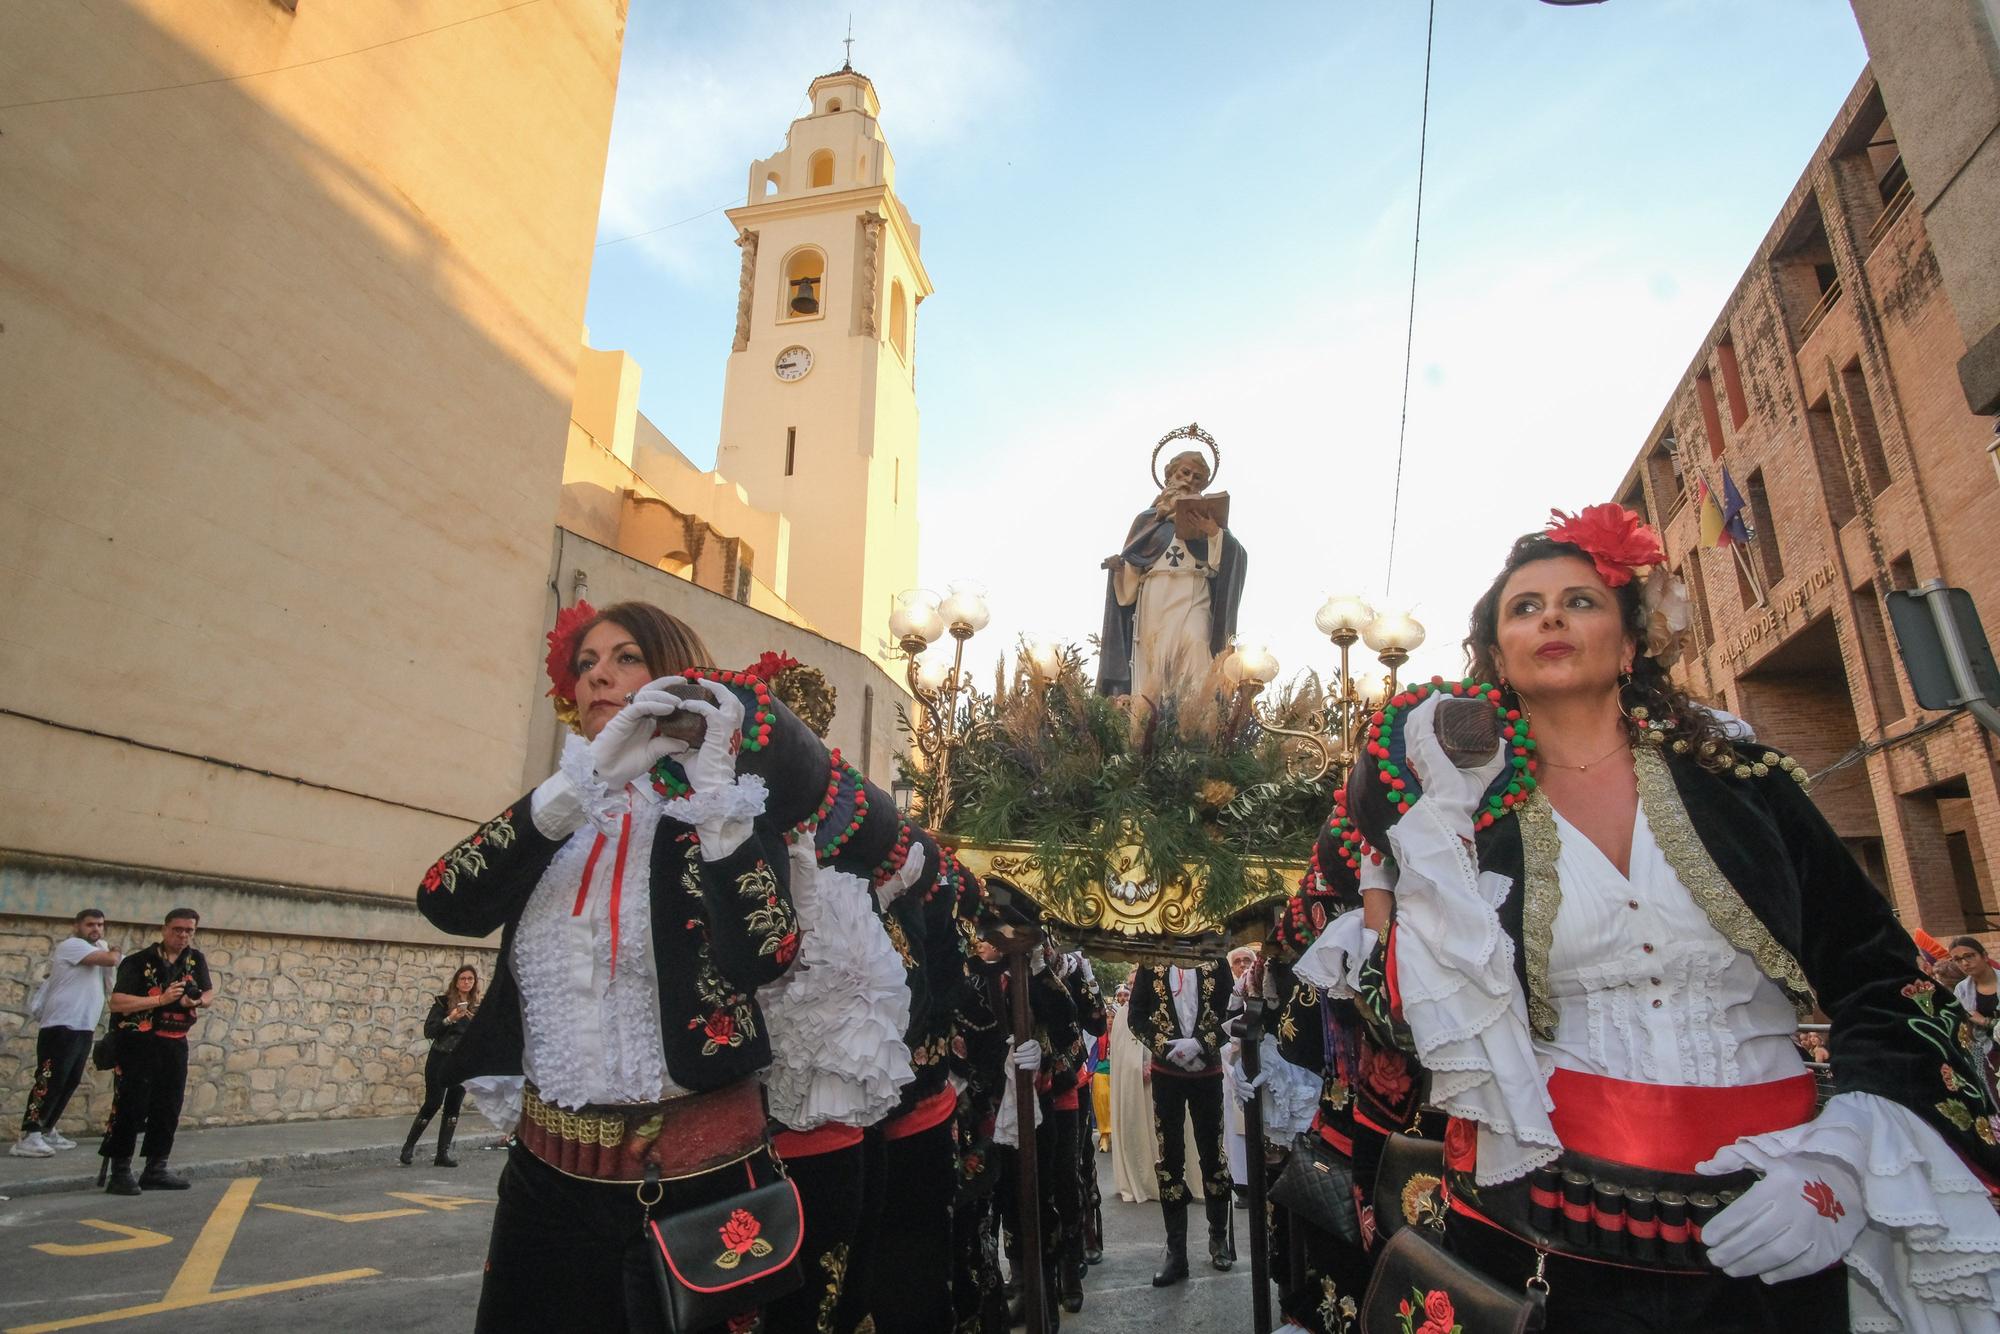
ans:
x=32 y=1146
x=55 y=1139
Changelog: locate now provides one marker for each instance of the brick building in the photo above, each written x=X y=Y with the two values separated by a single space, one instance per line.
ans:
x=1829 y=388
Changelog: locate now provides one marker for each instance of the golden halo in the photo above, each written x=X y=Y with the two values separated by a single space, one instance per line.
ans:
x=1193 y=432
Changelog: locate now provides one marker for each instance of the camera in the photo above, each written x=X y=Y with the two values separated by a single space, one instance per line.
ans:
x=190 y=992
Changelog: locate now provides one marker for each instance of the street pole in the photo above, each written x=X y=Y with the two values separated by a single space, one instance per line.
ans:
x=1251 y=1036
x=1016 y=945
x=1938 y=598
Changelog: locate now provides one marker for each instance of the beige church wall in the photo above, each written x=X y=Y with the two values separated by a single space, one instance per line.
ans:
x=864 y=725
x=288 y=365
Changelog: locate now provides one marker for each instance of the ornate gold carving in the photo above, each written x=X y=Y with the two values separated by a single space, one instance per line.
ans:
x=746 y=286
x=1718 y=899
x=871 y=270
x=1542 y=888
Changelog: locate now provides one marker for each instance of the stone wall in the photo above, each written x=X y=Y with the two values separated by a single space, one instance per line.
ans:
x=303 y=1028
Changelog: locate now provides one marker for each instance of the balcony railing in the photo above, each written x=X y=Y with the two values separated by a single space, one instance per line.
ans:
x=1827 y=301
x=1899 y=204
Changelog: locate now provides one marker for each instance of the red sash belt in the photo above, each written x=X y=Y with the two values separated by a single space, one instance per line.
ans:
x=932 y=1111
x=829 y=1138
x=1670 y=1127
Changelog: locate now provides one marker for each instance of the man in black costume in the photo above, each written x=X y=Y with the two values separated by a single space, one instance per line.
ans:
x=1177 y=1015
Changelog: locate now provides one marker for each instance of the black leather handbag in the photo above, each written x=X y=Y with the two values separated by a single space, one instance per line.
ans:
x=720 y=1260
x=1409 y=1184
x=1420 y=1285
x=1317 y=1184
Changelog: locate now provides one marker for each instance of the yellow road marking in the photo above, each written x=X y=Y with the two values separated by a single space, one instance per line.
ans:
x=445 y=1202
x=136 y=1239
x=194 y=1285
x=369 y=1217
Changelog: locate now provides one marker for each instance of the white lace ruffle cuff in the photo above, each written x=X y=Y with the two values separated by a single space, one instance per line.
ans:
x=1333 y=961
x=574 y=795
x=498 y=1099
x=1928 y=1261
x=838 y=1015
x=721 y=815
x=1455 y=970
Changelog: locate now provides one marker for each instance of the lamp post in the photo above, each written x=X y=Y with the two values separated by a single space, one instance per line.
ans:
x=1333 y=731
x=919 y=619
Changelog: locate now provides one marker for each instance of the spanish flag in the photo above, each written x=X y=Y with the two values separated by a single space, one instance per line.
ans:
x=1712 y=524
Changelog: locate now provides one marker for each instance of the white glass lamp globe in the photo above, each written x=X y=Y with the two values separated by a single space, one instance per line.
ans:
x=964 y=608
x=1343 y=613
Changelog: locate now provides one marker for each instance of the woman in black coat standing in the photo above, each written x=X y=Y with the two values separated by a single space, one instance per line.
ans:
x=451 y=1014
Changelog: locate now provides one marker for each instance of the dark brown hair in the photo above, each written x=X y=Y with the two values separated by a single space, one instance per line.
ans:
x=451 y=987
x=668 y=643
x=1650 y=687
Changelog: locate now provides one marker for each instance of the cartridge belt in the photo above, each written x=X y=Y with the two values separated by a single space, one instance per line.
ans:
x=1594 y=1209
x=682 y=1137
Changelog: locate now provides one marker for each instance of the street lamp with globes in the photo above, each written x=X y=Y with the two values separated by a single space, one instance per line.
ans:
x=918 y=619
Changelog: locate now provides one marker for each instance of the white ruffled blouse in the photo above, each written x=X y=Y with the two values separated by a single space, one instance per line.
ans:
x=1646 y=989
x=838 y=1015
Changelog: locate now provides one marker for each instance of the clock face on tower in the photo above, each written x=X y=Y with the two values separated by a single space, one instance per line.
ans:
x=793 y=363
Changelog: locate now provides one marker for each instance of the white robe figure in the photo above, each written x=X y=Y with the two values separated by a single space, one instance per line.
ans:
x=1170 y=621
x=1134 y=1148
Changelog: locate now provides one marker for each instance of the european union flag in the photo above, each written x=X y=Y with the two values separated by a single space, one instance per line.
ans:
x=1735 y=527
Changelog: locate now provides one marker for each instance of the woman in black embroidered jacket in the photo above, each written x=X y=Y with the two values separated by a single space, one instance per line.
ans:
x=641 y=896
x=1611 y=906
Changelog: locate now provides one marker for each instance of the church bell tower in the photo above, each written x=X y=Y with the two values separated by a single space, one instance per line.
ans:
x=819 y=412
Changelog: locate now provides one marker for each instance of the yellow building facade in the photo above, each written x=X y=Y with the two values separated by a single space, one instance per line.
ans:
x=819 y=418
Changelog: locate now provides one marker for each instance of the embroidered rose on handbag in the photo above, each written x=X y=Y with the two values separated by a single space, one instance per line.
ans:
x=740 y=1237
x=1436 y=1310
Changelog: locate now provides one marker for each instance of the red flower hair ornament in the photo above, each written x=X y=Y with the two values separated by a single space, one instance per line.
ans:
x=561 y=662
x=1619 y=543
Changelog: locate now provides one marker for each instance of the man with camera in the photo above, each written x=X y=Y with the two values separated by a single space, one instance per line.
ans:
x=154 y=1003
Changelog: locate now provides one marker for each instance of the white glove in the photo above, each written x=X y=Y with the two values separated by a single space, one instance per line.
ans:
x=714 y=765
x=1038 y=961
x=1246 y=1089
x=721 y=809
x=627 y=747
x=1185 y=1052
x=1455 y=791
x=1028 y=1056
x=1802 y=1217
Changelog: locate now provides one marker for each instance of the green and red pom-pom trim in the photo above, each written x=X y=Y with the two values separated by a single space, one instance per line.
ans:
x=825 y=807
x=757 y=728
x=1514 y=731
x=846 y=835
x=898 y=855
x=668 y=783
x=1353 y=847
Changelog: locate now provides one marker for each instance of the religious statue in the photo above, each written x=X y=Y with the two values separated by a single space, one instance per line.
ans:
x=1171 y=597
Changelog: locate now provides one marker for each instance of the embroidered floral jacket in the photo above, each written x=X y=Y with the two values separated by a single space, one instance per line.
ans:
x=721 y=929
x=1158 y=1026
x=1363 y=1082
x=1776 y=881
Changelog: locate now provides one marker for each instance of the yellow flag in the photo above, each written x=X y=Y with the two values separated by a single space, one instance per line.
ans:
x=1711 y=517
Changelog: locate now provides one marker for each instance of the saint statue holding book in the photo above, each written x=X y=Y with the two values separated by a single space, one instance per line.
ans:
x=1172 y=593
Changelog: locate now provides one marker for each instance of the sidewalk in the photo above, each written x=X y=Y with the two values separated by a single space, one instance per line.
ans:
x=236 y=1151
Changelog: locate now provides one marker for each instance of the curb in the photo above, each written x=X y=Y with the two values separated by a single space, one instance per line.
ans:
x=257 y=1165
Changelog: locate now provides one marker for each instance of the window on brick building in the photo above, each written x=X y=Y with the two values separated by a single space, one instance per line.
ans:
x=1770 y=557
x=1633 y=498
x=1803 y=271
x=1831 y=464
x=1711 y=419
x=1663 y=472
x=1746 y=588
x=1878 y=658
x=1732 y=382
x=1903 y=572
x=1867 y=436
x=1703 y=620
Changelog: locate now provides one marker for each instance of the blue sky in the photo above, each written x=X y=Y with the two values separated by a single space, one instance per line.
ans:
x=1141 y=215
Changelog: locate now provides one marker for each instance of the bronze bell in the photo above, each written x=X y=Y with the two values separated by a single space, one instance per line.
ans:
x=804 y=300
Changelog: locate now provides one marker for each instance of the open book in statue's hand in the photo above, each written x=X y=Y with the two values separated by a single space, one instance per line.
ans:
x=1201 y=516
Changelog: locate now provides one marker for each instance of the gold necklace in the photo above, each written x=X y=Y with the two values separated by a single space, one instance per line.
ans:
x=1599 y=760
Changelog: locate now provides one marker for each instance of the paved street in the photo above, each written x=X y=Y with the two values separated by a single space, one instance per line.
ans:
x=387 y=1249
